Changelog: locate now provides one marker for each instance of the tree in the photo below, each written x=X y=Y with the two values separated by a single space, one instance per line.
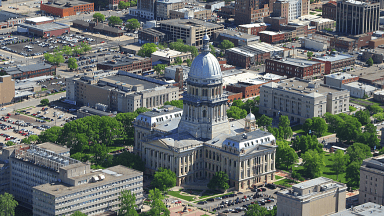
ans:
x=340 y=162
x=123 y=5
x=264 y=121
x=114 y=20
x=305 y=143
x=67 y=50
x=176 y=103
x=147 y=49
x=352 y=109
x=78 y=50
x=50 y=135
x=9 y=143
x=55 y=58
x=333 y=121
x=72 y=63
x=219 y=180
x=353 y=174
x=98 y=16
x=100 y=155
x=44 y=102
x=133 y=3
x=236 y=112
x=7 y=204
x=363 y=117
x=189 y=62
x=226 y=44
x=86 y=47
x=133 y=24
x=157 y=204
x=348 y=130
x=285 y=155
x=164 y=179
x=213 y=50
x=80 y=156
x=358 y=152
x=309 y=54
x=307 y=126
x=159 y=68
x=319 y=126
x=129 y=160
x=286 y=130
x=78 y=213
x=30 y=139
x=127 y=203
x=256 y=210
x=313 y=163
x=374 y=109
x=178 y=60
x=369 y=61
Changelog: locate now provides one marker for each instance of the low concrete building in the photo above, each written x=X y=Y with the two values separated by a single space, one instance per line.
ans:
x=97 y=27
x=253 y=29
x=339 y=79
x=30 y=71
x=136 y=65
x=170 y=71
x=9 y=19
x=379 y=97
x=44 y=30
x=191 y=13
x=359 y=90
x=164 y=6
x=313 y=44
x=39 y=20
x=302 y=99
x=237 y=38
x=151 y=35
x=169 y=56
x=130 y=48
x=372 y=181
x=7 y=89
x=89 y=111
x=316 y=197
x=368 y=208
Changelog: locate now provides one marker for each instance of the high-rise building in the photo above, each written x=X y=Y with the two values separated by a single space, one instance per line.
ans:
x=146 y=9
x=291 y=9
x=357 y=17
x=371 y=180
x=250 y=11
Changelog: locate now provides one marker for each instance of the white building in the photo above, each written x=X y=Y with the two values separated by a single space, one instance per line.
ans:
x=170 y=71
x=359 y=90
x=313 y=44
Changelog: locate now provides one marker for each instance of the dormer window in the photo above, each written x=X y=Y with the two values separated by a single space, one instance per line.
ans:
x=252 y=142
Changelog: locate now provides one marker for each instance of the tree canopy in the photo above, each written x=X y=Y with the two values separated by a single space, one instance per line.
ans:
x=133 y=24
x=127 y=203
x=313 y=163
x=219 y=180
x=363 y=116
x=164 y=179
x=340 y=162
x=181 y=47
x=305 y=143
x=264 y=121
x=176 y=103
x=147 y=49
x=72 y=63
x=285 y=155
x=98 y=16
x=123 y=5
x=236 y=112
x=369 y=61
x=159 y=68
x=44 y=102
x=78 y=213
x=157 y=204
x=7 y=204
x=226 y=44
x=114 y=20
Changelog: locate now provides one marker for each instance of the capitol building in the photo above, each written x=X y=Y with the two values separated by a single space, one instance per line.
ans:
x=197 y=141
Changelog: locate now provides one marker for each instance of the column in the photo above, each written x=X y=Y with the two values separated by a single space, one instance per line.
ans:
x=239 y=168
x=157 y=158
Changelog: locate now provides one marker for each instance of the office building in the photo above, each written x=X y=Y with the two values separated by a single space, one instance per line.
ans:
x=145 y=9
x=237 y=38
x=190 y=30
x=251 y=11
x=329 y=10
x=357 y=17
x=253 y=29
x=7 y=89
x=372 y=181
x=215 y=6
x=44 y=30
x=336 y=62
x=272 y=37
x=164 y=6
x=191 y=13
x=169 y=56
x=291 y=67
x=290 y=9
x=30 y=71
x=301 y=99
x=316 y=197
x=121 y=91
x=136 y=65
x=226 y=12
x=339 y=79
x=66 y=8
x=198 y=141
x=350 y=43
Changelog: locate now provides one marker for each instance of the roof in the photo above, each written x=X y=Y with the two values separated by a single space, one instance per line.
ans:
x=122 y=61
x=107 y=28
x=152 y=31
x=189 y=23
x=238 y=35
x=159 y=112
x=39 y=19
x=337 y=57
x=367 y=88
x=93 y=111
x=369 y=208
x=45 y=27
x=169 y=53
x=205 y=66
x=63 y=3
x=6 y=15
x=249 y=136
x=27 y=68
x=296 y=62
x=253 y=25
x=312 y=183
x=169 y=1
x=256 y=48
x=81 y=22
x=341 y=76
x=53 y=147
x=268 y=33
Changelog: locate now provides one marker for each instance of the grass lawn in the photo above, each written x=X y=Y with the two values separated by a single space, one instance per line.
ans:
x=285 y=182
x=327 y=172
x=178 y=195
x=209 y=193
x=312 y=13
x=114 y=148
x=298 y=129
x=278 y=177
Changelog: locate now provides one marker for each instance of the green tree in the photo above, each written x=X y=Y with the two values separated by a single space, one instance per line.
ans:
x=129 y=160
x=55 y=58
x=51 y=135
x=133 y=3
x=319 y=126
x=226 y=44
x=307 y=126
x=285 y=155
x=157 y=204
x=369 y=136
x=10 y=143
x=309 y=54
x=44 y=102
x=100 y=155
x=363 y=117
x=176 y=103
x=164 y=179
x=353 y=174
x=80 y=156
x=374 y=109
x=147 y=49
x=333 y=121
x=213 y=50
x=369 y=61
x=30 y=139
x=78 y=50
x=127 y=203
x=219 y=180
x=98 y=16
x=256 y=210
x=7 y=204
x=133 y=24
x=340 y=162
x=189 y=62
x=305 y=143
x=313 y=163
x=286 y=130
x=123 y=5
x=178 y=60
x=348 y=130
x=159 y=68
x=236 y=112
x=264 y=121
x=67 y=50
x=78 y=213
x=72 y=63
x=379 y=116
x=358 y=152
x=86 y=47
x=352 y=109
x=114 y=20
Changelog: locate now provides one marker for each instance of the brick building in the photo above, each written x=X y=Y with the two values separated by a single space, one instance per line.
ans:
x=151 y=35
x=291 y=67
x=97 y=27
x=336 y=62
x=350 y=43
x=329 y=10
x=66 y=8
x=253 y=29
x=226 y=12
x=45 y=30
x=9 y=19
x=39 y=20
x=134 y=65
x=249 y=88
x=272 y=37
x=275 y=23
x=232 y=96
x=30 y=71
x=250 y=11
x=191 y=13
x=373 y=44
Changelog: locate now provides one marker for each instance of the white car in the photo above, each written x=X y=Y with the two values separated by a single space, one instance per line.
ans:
x=4 y=108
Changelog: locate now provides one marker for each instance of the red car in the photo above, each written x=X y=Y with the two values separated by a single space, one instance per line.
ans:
x=9 y=114
x=6 y=139
x=6 y=117
x=102 y=41
x=178 y=201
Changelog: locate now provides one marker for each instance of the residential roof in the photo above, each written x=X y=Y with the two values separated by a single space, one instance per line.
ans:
x=39 y=19
x=45 y=27
x=6 y=15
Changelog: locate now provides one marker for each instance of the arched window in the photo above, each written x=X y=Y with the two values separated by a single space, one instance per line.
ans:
x=204 y=113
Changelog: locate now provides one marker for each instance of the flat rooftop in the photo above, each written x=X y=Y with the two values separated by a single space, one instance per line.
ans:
x=63 y=3
x=169 y=1
x=296 y=62
x=253 y=25
x=190 y=23
x=268 y=33
x=367 y=88
x=152 y=31
x=53 y=147
x=312 y=183
x=332 y=58
x=6 y=15
x=341 y=76
x=27 y=68
x=46 y=27
x=368 y=73
x=369 y=208
x=93 y=111
x=169 y=53
x=168 y=109
x=122 y=61
x=39 y=19
x=111 y=174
